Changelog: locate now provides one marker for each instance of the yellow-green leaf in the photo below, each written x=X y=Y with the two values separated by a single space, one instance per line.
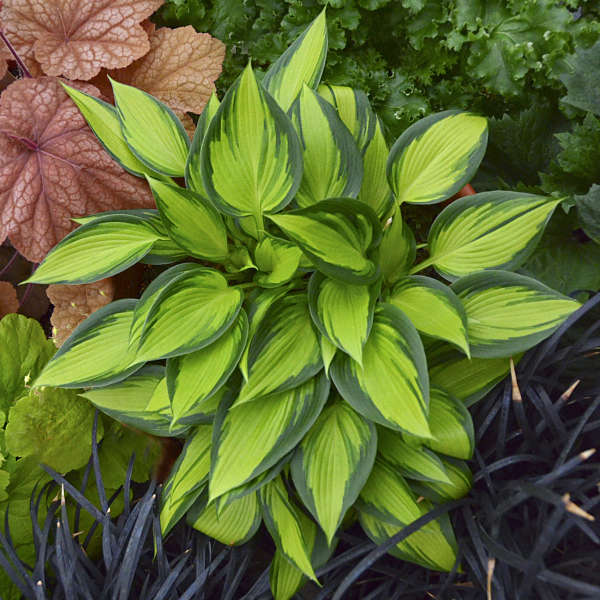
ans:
x=491 y=230
x=397 y=251
x=251 y=159
x=342 y=312
x=332 y=162
x=433 y=309
x=152 y=131
x=277 y=261
x=194 y=378
x=285 y=526
x=301 y=64
x=333 y=463
x=337 y=235
x=96 y=353
x=392 y=386
x=508 y=313
x=191 y=221
x=284 y=351
x=436 y=157
x=461 y=480
x=253 y=436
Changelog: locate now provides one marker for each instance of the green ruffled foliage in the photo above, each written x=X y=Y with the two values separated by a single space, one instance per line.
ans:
x=298 y=353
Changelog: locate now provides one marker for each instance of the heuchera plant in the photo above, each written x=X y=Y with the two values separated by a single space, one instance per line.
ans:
x=291 y=347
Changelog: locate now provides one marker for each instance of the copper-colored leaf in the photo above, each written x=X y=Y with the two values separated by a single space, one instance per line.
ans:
x=74 y=303
x=180 y=69
x=9 y=302
x=53 y=168
x=76 y=38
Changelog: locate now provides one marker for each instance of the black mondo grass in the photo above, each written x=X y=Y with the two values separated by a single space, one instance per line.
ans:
x=527 y=530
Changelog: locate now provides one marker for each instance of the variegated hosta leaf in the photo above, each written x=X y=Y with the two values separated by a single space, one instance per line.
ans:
x=251 y=159
x=236 y=524
x=451 y=425
x=343 y=312
x=285 y=578
x=387 y=504
x=257 y=305
x=355 y=111
x=140 y=401
x=301 y=64
x=151 y=129
x=194 y=378
x=436 y=156
x=190 y=312
x=191 y=221
x=104 y=122
x=96 y=353
x=433 y=309
x=188 y=478
x=252 y=437
x=397 y=251
x=333 y=463
x=375 y=190
x=193 y=167
x=284 y=351
x=285 y=526
x=411 y=460
x=337 y=235
x=328 y=351
x=460 y=477
x=392 y=386
x=97 y=250
x=508 y=313
x=466 y=379
x=332 y=162
x=277 y=261
x=490 y=230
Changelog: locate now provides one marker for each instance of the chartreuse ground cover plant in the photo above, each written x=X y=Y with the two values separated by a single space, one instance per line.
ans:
x=315 y=372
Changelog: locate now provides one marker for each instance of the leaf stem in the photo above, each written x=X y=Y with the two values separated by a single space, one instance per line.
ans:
x=421 y=266
x=24 y=70
x=248 y=284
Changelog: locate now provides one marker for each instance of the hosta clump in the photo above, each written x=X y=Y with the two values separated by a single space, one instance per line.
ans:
x=287 y=343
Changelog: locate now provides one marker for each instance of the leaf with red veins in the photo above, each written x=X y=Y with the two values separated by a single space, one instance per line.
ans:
x=52 y=168
x=9 y=302
x=180 y=69
x=76 y=38
x=74 y=303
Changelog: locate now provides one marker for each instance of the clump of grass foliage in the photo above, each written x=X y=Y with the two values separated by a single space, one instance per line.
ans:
x=526 y=529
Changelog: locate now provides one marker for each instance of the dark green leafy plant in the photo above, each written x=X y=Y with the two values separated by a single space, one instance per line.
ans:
x=295 y=364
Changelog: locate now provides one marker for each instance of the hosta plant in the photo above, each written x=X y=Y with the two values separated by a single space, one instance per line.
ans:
x=288 y=333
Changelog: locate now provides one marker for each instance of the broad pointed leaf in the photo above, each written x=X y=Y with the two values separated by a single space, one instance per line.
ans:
x=397 y=251
x=436 y=156
x=301 y=64
x=490 y=230
x=332 y=162
x=328 y=351
x=508 y=313
x=333 y=463
x=461 y=480
x=451 y=425
x=277 y=261
x=194 y=378
x=97 y=250
x=188 y=478
x=252 y=437
x=191 y=221
x=193 y=169
x=189 y=313
x=236 y=524
x=251 y=132
x=387 y=505
x=96 y=353
x=284 y=351
x=342 y=312
x=410 y=460
x=337 y=235
x=151 y=129
x=433 y=309
x=392 y=386
x=285 y=526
